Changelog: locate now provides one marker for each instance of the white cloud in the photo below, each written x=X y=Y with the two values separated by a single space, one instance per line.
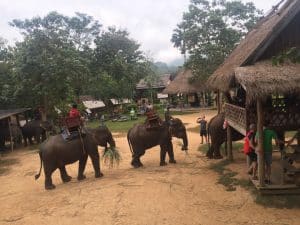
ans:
x=150 y=22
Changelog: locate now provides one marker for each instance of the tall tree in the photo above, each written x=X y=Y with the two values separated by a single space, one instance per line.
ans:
x=119 y=64
x=53 y=62
x=210 y=30
x=6 y=78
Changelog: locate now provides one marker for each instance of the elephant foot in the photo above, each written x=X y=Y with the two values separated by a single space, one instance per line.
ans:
x=81 y=177
x=163 y=164
x=184 y=148
x=67 y=179
x=218 y=157
x=49 y=186
x=98 y=175
x=136 y=164
x=172 y=161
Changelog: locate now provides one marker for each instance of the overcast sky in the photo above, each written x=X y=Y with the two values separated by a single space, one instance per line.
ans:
x=150 y=22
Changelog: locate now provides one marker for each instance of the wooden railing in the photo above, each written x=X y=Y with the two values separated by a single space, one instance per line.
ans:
x=236 y=117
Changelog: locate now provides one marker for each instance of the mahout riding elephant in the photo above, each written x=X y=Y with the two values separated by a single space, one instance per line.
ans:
x=218 y=135
x=56 y=152
x=140 y=139
x=36 y=129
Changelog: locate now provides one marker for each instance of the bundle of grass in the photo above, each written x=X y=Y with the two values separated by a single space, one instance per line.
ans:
x=111 y=156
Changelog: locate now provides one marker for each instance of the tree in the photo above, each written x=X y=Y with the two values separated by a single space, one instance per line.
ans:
x=6 y=78
x=119 y=64
x=210 y=30
x=52 y=64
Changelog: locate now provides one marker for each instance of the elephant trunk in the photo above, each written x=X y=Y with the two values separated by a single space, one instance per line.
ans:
x=112 y=142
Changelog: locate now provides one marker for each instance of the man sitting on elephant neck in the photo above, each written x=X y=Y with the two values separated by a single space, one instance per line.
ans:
x=153 y=120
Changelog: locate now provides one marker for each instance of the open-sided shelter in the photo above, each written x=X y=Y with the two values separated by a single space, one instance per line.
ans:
x=182 y=85
x=255 y=89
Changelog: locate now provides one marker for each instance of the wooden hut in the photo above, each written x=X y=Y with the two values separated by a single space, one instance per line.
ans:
x=182 y=85
x=254 y=88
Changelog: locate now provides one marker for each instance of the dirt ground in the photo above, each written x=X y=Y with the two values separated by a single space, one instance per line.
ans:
x=182 y=193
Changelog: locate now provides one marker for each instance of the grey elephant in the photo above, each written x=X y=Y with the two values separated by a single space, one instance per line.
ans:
x=56 y=152
x=218 y=135
x=36 y=129
x=140 y=139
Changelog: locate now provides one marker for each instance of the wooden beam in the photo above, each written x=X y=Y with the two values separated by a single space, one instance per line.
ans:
x=10 y=134
x=229 y=143
x=218 y=102
x=261 y=162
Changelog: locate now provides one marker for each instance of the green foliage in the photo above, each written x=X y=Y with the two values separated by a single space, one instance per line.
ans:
x=292 y=55
x=111 y=156
x=210 y=30
x=118 y=65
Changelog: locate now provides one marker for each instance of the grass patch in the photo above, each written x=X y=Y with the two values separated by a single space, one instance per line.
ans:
x=124 y=126
x=277 y=201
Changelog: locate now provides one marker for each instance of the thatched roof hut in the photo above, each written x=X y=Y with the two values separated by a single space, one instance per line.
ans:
x=276 y=32
x=258 y=91
x=182 y=85
x=264 y=79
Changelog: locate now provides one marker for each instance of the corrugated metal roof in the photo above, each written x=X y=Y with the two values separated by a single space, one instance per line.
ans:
x=5 y=113
x=94 y=104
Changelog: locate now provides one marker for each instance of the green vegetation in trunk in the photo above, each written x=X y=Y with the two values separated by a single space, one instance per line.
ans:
x=111 y=157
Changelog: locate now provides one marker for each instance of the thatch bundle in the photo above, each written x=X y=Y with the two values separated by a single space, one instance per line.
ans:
x=111 y=156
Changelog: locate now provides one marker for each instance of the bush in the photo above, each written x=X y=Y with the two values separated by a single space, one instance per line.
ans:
x=129 y=107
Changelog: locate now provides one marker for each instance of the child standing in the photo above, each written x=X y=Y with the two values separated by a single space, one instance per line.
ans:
x=203 y=130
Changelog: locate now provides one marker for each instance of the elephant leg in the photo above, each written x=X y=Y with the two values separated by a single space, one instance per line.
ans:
x=48 y=170
x=82 y=163
x=136 y=162
x=217 y=153
x=38 y=138
x=210 y=151
x=30 y=140
x=96 y=164
x=44 y=136
x=25 y=141
x=163 y=152
x=63 y=174
x=171 y=153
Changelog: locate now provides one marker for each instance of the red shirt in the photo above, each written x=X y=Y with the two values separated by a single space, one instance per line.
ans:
x=74 y=113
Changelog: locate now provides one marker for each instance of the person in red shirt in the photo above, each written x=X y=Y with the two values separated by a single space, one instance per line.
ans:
x=74 y=112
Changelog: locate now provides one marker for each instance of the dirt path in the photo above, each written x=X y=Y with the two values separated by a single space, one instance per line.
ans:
x=184 y=193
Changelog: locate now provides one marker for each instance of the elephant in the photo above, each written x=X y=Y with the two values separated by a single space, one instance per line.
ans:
x=218 y=135
x=36 y=129
x=140 y=138
x=56 y=152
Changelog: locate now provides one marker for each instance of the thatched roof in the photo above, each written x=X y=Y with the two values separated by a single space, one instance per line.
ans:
x=263 y=79
x=162 y=82
x=256 y=43
x=181 y=84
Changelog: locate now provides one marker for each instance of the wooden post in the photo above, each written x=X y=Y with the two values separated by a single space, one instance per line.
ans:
x=10 y=135
x=261 y=162
x=229 y=144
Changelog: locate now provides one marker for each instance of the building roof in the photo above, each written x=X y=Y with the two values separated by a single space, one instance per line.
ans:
x=5 y=113
x=93 y=104
x=163 y=81
x=263 y=79
x=120 y=101
x=259 y=41
x=181 y=84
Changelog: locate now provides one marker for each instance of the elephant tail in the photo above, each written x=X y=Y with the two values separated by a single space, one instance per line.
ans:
x=129 y=142
x=38 y=175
